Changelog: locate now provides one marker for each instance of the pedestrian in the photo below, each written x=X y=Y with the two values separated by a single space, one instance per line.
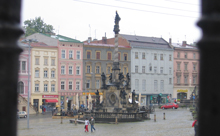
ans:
x=92 y=122
x=195 y=125
x=86 y=125
x=44 y=110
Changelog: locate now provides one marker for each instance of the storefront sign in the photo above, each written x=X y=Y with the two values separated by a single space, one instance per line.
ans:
x=91 y=93
x=181 y=90
x=49 y=96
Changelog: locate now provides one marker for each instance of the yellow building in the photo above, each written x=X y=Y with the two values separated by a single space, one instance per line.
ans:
x=44 y=77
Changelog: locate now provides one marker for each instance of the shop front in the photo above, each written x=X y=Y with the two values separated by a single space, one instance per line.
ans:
x=49 y=102
x=164 y=98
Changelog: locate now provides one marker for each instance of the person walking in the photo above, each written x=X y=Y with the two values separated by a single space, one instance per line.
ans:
x=92 y=122
x=86 y=125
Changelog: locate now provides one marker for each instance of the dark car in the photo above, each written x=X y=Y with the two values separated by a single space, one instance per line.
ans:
x=170 y=105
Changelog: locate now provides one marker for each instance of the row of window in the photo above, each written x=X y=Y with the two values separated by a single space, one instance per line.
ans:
x=70 y=71
x=46 y=74
x=186 y=66
x=63 y=54
x=186 y=79
x=97 y=84
x=155 y=85
x=150 y=69
x=70 y=85
x=109 y=55
x=46 y=63
x=186 y=55
x=155 y=56
x=97 y=69
x=37 y=86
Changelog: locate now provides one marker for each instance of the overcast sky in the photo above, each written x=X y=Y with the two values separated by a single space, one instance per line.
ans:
x=81 y=19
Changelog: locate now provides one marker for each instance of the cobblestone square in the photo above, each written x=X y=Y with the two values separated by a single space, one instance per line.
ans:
x=178 y=122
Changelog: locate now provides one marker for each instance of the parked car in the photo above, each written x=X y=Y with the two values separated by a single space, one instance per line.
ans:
x=22 y=114
x=170 y=105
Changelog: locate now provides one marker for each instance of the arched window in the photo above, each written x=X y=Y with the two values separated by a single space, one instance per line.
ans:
x=21 y=87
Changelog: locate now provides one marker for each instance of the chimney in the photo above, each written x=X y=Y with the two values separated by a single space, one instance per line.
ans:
x=89 y=39
x=170 y=41
x=184 y=44
x=104 y=40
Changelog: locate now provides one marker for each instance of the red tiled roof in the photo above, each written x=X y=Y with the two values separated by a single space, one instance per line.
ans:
x=41 y=44
x=106 y=45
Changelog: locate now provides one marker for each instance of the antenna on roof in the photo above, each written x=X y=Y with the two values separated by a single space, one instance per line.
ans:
x=95 y=33
x=58 y=29
x=89 y=31
x=185 y=37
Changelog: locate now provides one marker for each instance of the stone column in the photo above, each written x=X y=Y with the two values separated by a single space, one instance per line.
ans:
x=10 y=31
x=209 y=47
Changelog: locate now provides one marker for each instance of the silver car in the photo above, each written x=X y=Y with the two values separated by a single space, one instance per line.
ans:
x=22 y=114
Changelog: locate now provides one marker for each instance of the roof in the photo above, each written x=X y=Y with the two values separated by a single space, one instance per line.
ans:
x=62 y=38
x=106 y=45
x=179 y=45
x=41 y=44
x=146 y=42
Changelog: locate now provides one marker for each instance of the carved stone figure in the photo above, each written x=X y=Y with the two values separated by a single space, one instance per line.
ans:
x=117 y=18
x=121 y=76
x=133 y=97
x=110 y=78
x=103 y=80
x=128 y=79
x=124 y=94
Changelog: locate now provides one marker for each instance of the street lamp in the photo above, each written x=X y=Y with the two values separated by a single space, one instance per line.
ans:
x=29 y=41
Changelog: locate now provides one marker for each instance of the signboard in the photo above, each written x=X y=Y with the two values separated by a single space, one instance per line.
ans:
x=49 y=96
x=181 y=90
x=160 y=94
x=92 y=93
x=151 y=97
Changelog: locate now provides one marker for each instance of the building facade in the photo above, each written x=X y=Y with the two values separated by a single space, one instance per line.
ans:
x=44 y=71
x=186 y=70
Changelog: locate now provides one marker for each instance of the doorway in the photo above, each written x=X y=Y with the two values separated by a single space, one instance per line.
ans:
x=36 y=104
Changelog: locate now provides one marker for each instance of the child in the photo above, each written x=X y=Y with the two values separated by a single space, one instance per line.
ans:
x=86 y=125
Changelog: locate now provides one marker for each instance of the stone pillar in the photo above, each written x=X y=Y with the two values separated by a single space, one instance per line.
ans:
x=209 y=47
x=10 y=31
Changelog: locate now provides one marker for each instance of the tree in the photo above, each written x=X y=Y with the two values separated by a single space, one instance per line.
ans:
x=37 y=25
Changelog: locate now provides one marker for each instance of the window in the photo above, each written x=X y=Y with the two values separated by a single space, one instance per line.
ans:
x=161 y=85
x=63 y=54
x=161 y=56
x=20 y=87
x=62 y=85
x=78 y=55
x=125 y=57
x=97 y=55
x=70 y=70
x=144 y=85
x=45 y=87
x=88 y=55
x=136 y=84
x=136 y=69
x=125 y=70
x=143 y=69
x=23 y=66
x=88 y=69
x=161 y=70
x=36 y=87
x=155 y=85
x=155 y=69
x=185 y=66
x=77 y=70
x=52 y=62
x=185 y=55
x=178 y=66
x=178 y=54
x=136 y=55
x=143 y=55
x=97 y=69
x=109 y=56
x=178 y=79
x=170 y=70
x=36 y=61
x=52 y=74
x=109 y=70
x=45 y=73
x=170 y=80
x=36 y=73
x=155 y=56
x=97 y=84
x=62 y=70
x=88 y=84
x=170 y=57
x=45 y=62
x=194 y=56
x=194 y=80
x=52 y=87
x=77 y=85
x=194 y=67
x=119 y=56
x=186 y=79
x=70 y=54
x=70 y=85
x=150 y=67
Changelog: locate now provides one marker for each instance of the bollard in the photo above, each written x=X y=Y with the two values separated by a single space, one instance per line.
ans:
x=154 y=117
x=164 y=116
x=75 y=122
x=61 y=120
x=116 y=120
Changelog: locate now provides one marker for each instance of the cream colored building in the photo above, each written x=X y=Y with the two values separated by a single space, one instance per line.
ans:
x=44 y=68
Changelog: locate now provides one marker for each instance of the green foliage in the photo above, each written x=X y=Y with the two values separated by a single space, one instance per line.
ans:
x=37 y=25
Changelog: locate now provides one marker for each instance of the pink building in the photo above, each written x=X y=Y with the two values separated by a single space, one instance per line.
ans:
x=186 y=70
x=23 y=72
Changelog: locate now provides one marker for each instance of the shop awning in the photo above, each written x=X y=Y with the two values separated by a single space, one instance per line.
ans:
x=51 y=100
